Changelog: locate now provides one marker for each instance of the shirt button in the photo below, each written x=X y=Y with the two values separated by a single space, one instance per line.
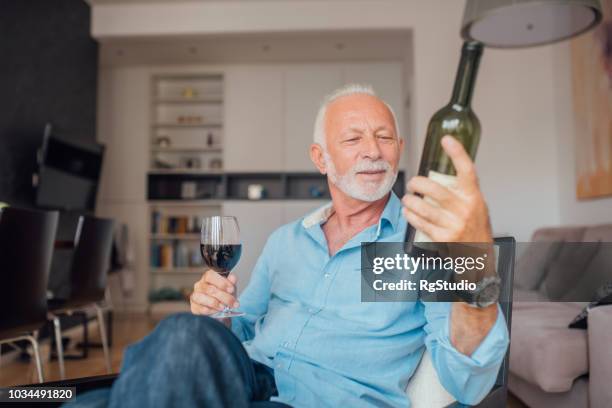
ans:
x=327 y=275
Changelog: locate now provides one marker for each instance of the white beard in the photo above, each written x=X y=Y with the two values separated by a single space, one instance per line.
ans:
x=364 y=191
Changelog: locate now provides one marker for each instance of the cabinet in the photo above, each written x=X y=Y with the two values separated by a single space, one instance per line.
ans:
x=304 y=90
x=253 y=118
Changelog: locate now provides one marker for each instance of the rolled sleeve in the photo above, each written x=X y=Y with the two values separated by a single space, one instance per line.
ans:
x=468 y=378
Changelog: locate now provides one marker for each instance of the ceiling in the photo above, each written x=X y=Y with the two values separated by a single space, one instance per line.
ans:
x=270 y=47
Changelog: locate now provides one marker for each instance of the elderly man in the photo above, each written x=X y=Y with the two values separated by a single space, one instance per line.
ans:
x=306 y=338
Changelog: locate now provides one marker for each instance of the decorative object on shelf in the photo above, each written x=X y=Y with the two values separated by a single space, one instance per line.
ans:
x=195 y=258
x=156 y=220
x=189 y=120
x=162 y=141
x=160 y=162
x=215 y=164
x=209 y=139
x=165 y=293
x=189 y=189
x=316 y=191
x=189 y=93
x=256 y=191
x=166 y=256
x=191 y=162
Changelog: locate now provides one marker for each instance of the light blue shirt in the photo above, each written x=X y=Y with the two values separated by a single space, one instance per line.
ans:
x=305 y=319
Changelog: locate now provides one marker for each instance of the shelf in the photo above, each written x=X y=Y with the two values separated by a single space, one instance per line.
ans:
x=187 y=236
x=194 y=101
x=186 y=171
x=179 y=271
x=188 y=125
x=194 y=203
x=186 y=149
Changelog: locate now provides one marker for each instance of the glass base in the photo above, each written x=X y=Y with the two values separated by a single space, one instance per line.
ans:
x=227 y=313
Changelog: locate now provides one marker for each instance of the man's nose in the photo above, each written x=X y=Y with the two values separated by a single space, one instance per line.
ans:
x=371 y=150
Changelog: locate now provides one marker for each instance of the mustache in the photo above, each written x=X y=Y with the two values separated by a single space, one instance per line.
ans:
x=369 y=165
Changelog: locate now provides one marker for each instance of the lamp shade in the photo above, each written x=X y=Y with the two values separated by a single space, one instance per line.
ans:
x=524 y=23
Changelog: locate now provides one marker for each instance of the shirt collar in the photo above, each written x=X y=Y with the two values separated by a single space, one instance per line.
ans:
x=391 y=214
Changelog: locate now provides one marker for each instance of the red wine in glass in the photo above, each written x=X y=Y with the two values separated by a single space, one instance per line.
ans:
x=220 y=247
x=221 y=258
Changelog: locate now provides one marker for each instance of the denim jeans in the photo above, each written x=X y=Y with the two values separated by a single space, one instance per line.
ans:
x=187 y=361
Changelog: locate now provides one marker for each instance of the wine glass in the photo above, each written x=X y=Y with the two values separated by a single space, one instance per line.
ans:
x=220 y=248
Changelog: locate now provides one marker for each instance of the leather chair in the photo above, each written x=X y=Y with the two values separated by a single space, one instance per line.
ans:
x=88 y=273
x=26 y=249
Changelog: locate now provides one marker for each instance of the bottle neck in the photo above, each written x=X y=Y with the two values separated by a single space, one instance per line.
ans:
x=466 y=74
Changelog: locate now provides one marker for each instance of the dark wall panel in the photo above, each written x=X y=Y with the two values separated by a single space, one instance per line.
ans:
x=48 y=73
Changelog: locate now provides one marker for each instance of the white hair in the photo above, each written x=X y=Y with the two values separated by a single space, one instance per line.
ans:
x=349 y=89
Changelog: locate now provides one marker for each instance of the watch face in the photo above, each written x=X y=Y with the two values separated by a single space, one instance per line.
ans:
x=488 y=294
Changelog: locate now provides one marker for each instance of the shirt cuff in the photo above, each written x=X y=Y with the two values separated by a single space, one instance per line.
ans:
x=491 y=349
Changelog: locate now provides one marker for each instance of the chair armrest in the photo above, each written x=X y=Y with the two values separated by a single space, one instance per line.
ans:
x=600 y=355
x=496 y=398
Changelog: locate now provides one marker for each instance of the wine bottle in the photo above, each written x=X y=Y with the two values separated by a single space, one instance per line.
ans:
x=456 y=119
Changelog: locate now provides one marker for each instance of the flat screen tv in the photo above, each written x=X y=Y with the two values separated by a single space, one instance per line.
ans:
x=69 y=172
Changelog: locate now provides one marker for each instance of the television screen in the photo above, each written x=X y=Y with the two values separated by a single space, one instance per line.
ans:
x=69 y=173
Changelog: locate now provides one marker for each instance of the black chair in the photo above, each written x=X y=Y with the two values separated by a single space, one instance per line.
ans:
x=26 y=249
x=88 y=276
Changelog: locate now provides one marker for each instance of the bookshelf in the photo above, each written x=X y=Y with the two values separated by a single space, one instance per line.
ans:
x=186 y=140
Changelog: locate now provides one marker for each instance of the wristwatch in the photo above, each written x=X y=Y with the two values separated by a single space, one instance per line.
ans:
x=486 y=293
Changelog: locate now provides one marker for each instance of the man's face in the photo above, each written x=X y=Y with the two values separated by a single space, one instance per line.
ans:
x=363 y=149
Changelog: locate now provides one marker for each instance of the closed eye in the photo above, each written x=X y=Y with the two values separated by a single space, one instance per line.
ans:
x=386 y=138
x=353 y=139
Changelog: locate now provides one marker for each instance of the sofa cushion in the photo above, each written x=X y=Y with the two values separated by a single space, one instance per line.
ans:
x=569 y=234
x=543 y=351
x=533 y=262
x=598 y=233
x=565 y=271
x=596 y=275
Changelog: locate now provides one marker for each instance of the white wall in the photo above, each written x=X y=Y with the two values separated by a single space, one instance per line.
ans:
x=122 y=125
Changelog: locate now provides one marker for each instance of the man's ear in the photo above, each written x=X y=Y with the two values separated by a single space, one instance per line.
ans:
x=318 y=158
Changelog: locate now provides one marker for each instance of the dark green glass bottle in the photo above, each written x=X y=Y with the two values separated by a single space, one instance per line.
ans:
x=456 y=119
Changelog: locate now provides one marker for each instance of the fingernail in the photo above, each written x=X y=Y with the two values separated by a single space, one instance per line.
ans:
x=236 y=304
x=449 y=141
x=230 y=289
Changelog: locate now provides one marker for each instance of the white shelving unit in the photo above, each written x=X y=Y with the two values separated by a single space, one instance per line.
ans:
x=186 y=138
x=187 y=122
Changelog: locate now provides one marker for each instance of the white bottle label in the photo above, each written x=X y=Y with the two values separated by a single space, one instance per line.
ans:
x=447 y=181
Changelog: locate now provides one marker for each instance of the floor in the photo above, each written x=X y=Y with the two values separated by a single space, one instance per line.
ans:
x=127 y=328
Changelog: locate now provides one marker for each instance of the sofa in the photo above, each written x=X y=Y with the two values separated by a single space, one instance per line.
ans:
x=555 y=278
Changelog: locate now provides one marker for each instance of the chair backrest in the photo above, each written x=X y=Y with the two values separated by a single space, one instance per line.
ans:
x=90 y=262
x=26 y=250
x=424 y=388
